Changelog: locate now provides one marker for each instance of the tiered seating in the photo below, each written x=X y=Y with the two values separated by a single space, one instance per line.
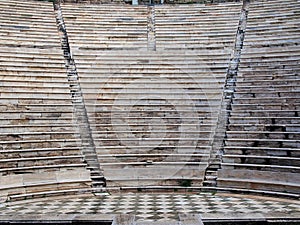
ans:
x=106 y=26
x=262 y=147
x=152 y=113
x=39 y=142
x=196 y=26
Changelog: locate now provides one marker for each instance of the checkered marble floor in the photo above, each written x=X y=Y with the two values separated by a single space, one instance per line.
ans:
x=153 y=206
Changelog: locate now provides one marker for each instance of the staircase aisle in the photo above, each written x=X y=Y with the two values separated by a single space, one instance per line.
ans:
x=79 y=111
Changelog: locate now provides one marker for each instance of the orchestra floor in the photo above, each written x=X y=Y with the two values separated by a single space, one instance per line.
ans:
x=156 y=206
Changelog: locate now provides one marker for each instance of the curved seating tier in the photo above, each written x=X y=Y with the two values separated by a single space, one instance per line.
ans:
x=39 y=141
x=105 y=27
x=152 y=113
x=152 y=117
x=262 y=145
x=196 y=27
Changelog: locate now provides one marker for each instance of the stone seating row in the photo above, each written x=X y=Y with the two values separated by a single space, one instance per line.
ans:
x=23 y=161
x=39 y=142
x=198 y=8
x=149 y=73
x=277 y=42
x=277 y=4
x=89 y=14
x=40 y=92
x=53 y=192
x=264 y=166
x=34 y=96
x=92 y=82
x=288 y=75
x=25 y=23
x=264 y=120
x=125 y=29
x=270 y=113
x=34 y=75
x=184 y=28
x=244 y=151
x=265 y=71
x=31 y=154
x=94 y=8
x=288 y=9
x=198 y=22
x=272 y=24
x=39 y=126
x=265 y=159
x=149 y=175
x=28 y=25
x=33 y=169
x=52 y=132
x=22 y=17
x=260 y=180
x=7 y=60
x=48 y=101
x=95 y=72
x=268 y=60
x=107 y=126
x=31 y=11
x=35 y=84
x=290 y=36
x=26 y=32
x=34 y=135
x=207 y=188
x=263 y=94
x=256 y=133
x=38 y=44
x=272 y=54
x=40 y=41
x=116 y=150
x=255 y=82
x=36 y=4
x=145 y=69
x=206 y=63
x=268 y=103
x=206 y=107
x=266 y=89
x=190 y=55
x=61 y=181
x=262 y=141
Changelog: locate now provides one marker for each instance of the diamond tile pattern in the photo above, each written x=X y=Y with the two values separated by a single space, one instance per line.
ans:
x=153 y=207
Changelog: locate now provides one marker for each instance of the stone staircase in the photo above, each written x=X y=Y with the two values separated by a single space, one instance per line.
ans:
x=151 y=28
x=80 y=114
x=227 y=99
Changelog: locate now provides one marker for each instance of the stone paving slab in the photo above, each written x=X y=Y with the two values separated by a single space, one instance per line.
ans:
x=155 y=206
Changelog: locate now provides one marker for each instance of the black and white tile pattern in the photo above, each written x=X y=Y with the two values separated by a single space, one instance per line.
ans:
x=153 y=207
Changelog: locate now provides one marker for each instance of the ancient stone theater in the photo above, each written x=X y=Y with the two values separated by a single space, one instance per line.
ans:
x=150 y=112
